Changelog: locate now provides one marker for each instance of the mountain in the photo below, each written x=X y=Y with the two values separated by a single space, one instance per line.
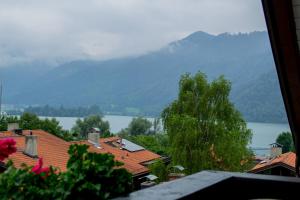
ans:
x=146 y=84
x=15 y=77
x=261 y=99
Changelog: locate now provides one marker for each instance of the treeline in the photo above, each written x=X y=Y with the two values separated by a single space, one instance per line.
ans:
x=62 y=111
x=201 y=129
x=30 y=121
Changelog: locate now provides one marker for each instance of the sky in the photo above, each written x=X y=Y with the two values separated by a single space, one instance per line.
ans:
x=57 y=31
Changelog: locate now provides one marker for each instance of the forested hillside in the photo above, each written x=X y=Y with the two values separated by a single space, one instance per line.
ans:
x=146 y=84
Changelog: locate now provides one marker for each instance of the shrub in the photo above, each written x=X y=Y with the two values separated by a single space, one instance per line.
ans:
x=160 y=170
x=88 y=176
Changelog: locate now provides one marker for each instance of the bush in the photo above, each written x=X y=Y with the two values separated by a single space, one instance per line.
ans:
x=24 y=184
x=88 y=176
x=160 y=170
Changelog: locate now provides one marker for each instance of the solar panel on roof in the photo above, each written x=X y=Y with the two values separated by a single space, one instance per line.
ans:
x=151 y=177
x=179 y=167
x=130 y=146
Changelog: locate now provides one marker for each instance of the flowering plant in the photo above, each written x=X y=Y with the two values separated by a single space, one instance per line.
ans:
x=88 y=176
x=38 y=168
x=7 y=147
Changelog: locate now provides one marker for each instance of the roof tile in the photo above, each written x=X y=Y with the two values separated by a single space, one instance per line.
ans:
x=54 y=151
x=288 y=159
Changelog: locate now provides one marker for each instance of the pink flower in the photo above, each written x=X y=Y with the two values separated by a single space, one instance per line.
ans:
x=38 y=168
x=7 y=147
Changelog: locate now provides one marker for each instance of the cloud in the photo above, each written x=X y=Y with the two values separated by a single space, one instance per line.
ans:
x=62 y=30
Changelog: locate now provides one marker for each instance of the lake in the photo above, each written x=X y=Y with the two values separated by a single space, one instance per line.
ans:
x=263 y=133
x=116 y=122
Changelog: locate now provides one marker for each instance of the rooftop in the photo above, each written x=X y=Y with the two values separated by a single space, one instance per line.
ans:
x=54 y=151
x=286 y=160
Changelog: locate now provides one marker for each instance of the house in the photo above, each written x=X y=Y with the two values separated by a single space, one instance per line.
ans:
x=34 y=144
x=283 y=165
x=277 y=163
x=283 y=23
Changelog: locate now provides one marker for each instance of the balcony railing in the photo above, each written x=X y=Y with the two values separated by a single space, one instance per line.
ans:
x=222 y=185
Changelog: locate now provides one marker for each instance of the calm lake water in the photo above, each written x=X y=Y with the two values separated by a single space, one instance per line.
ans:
x=263 y=133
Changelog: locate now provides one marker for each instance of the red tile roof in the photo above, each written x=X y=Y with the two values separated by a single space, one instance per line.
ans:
x=287 y=160
x=54 y=150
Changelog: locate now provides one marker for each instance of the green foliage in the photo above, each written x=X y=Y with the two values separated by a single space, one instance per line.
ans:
x=204 y=128
x=29 y=121
x=83 y=127
x=88 y=176
x=285 y=139
x=243 y=57
x=160 y=170
x=260 y=100
x=94 y=176
x=24 y=184
x=64 y=112
x=158 y=143
x=4 y=120
x=52 y=126
x=139 y=132
x=156 y=125
x=138 y=126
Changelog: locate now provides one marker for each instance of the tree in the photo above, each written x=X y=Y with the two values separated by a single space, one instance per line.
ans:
x=83 y=127
x=30 y=121
x=50 y=125
x=139 y=126
x=286 y=140
x=158 y=143
x=4 y=120
x=160 y=170
x=204 y=128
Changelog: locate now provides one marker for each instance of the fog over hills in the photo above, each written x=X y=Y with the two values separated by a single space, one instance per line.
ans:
x=146 y=84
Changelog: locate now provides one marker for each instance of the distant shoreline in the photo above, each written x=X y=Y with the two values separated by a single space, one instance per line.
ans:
x=145 y=116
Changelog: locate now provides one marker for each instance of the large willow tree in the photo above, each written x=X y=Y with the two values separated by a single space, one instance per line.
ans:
x=205 y=130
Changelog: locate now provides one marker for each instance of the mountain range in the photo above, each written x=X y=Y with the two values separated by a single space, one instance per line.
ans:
x=145 y=84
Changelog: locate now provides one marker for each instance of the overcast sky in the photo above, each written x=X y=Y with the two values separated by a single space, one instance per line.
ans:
x=64 y=30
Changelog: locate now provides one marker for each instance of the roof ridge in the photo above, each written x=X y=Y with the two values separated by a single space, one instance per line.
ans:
x=287 y=156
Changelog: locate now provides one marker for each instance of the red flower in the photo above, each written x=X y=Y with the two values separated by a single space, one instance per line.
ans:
x=7 y=147
x=38 y=168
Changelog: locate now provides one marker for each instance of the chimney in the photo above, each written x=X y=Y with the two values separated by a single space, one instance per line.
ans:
x=276 y=150
x=122 y=145
x=12 y=126
x=93 y=138
x=95 y=130
x=31 y=146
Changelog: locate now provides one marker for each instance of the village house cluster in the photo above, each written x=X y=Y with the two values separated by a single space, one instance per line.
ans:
x=34 y=144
